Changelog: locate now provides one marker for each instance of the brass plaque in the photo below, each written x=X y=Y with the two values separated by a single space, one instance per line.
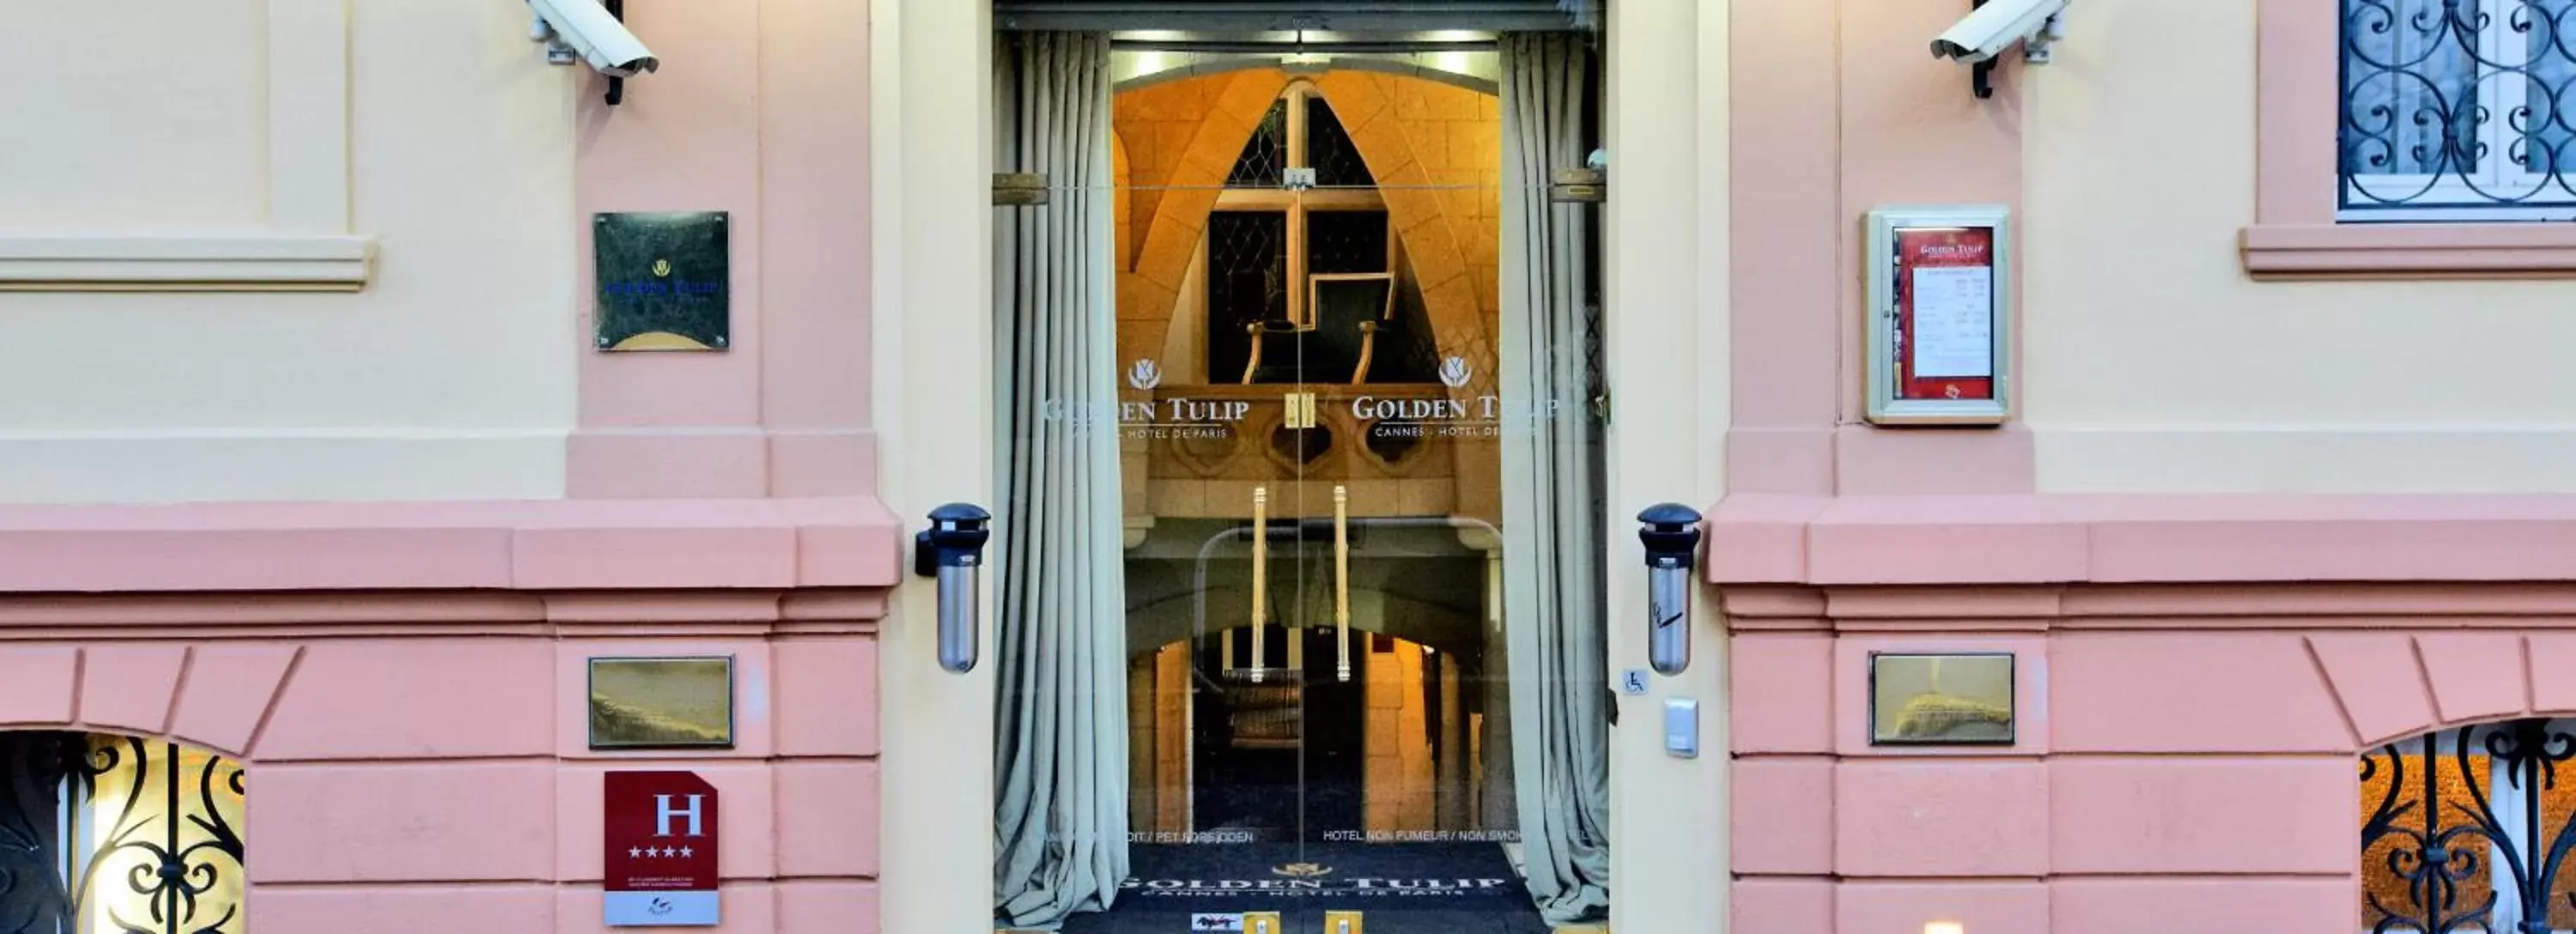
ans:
x=1937 y=699
x=1262 y=922
x=664 y=281
x=661 y=703
x=1342 y=921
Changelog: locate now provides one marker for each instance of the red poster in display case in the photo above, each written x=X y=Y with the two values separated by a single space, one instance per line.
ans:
x=1955 y=253
x=1938 y=311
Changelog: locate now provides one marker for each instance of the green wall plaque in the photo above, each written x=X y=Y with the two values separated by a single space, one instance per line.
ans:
x=664 y=280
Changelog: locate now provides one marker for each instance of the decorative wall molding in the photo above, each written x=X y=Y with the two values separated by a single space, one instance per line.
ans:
x=163 y=262
x=2415 y=251
x=306 y=243
x=2139 y=539
x=603 y=545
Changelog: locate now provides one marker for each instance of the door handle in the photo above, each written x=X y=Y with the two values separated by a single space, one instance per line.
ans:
x=1342 y=581
x=1260 y=573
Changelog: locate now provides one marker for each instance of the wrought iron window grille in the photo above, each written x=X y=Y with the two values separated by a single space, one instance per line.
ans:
x=2457 y=110
x=117 y=835
x=2469 y=830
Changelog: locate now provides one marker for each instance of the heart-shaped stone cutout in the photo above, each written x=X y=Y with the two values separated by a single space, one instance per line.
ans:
x=1391 y=444
x=1302 y=445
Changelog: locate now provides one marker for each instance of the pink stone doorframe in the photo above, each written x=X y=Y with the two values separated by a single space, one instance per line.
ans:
x=2188 y=758
x=418 y=760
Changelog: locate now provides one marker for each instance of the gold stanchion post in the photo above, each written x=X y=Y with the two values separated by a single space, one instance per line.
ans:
x=1260 y=573
x=1342 y=579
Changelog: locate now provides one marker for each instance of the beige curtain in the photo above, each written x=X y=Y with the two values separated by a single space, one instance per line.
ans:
x=1552 y=495
x=1060 y=753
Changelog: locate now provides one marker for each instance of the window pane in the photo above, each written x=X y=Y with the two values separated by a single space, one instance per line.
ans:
x=1345 y=241
x=1247 y=283
x=163 y=798
x=2457 y=111
x=104 y=834
x=2387 y=859
x=1329 y=149
x=2450 y=821
x=2544 y=124
x=2411 y=89
x=1265 y=154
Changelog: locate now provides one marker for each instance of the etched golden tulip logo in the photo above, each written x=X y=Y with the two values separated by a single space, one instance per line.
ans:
x=661 y=268
x=1302 y=870
x=1454 y=372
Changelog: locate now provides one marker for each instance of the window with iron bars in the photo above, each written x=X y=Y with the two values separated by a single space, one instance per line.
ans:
x=108 y=834
x=2468 y=831
x=2458 y=110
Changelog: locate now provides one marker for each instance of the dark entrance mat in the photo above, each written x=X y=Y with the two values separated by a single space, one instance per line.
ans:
x=1405 y=888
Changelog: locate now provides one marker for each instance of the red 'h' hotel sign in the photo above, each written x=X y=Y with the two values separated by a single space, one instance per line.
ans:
x=660 y=832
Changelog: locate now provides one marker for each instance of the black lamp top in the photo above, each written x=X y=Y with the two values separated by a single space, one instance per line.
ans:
x=1669 y=516
x=960 y=514
x=1670 y=532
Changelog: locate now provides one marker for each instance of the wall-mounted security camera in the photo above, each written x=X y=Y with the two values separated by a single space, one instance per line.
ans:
x=1993 y=25
x=1996 y=24
x=586 y=29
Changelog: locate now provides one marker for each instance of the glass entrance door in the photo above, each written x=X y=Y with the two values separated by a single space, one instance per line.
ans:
x=1299 y=261
x=1358 y=503
x=1318 y=439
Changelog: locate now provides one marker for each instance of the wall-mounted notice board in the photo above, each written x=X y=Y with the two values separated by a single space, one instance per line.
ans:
x=1939 y=315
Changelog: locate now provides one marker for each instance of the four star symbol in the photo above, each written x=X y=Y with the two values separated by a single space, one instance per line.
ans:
x=659 y=852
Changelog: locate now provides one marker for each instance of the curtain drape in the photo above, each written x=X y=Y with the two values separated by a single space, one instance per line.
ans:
x=1552 y=488
x=1060 y=753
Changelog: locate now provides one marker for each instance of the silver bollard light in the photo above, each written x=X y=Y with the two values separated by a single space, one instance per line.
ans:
x=1671 y=534
x=952 y=550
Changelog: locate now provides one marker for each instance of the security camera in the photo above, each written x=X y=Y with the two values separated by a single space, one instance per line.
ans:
x=1984 y=33
x=585 y=28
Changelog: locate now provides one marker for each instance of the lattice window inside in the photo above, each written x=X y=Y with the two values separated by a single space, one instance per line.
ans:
x=1265 y=155
x=1346 y=241
x=1329 y=149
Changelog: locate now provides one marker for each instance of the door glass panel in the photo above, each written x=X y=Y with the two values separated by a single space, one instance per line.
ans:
x=1359 y=509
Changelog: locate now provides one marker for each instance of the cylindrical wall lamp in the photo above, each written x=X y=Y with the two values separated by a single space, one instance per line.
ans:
x=1671 y=534
x=952 y=550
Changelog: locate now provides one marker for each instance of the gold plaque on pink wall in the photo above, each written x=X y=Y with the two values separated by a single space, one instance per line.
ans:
x=661 y=702
x=1943 y=699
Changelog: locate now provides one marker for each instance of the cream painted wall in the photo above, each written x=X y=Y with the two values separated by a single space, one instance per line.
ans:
x=2154 y=364
x=450 y=376
x=96 y=94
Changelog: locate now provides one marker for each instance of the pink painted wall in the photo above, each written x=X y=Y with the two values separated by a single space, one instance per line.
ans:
x=2187 y=756
x=759 y=109
x=1837 y=110
x=419 y=762
x=2197 y=676
x=405 y=681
